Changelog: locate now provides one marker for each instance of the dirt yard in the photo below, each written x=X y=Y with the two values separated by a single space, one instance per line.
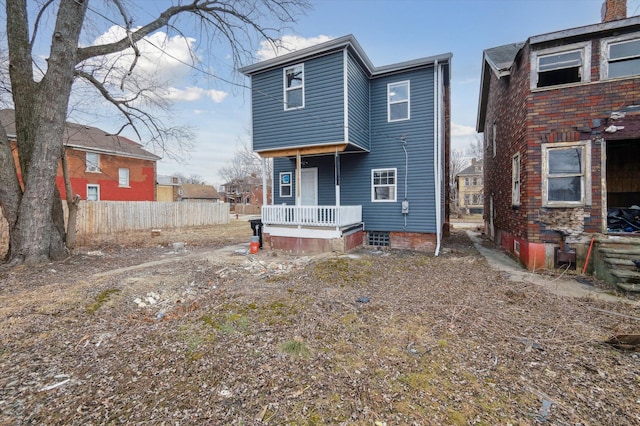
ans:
x=139 y=330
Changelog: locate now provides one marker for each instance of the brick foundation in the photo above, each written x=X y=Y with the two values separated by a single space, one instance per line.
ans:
x=412 y=241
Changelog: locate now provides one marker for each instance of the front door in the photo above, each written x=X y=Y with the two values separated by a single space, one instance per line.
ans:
x=309 y=186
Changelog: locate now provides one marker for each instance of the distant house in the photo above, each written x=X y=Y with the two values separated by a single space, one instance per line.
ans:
x=193 y=192
x=470 y=188
x=360 y=152
x=561 y=124
x=167 y=188
x=246 y=190
x=101 y=166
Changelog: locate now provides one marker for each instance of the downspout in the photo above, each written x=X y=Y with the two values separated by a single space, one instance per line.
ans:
x=264 y=182
x=437 y=155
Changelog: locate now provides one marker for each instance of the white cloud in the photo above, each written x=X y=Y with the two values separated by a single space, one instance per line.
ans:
x=288 y=44
x=192 y=94
x=462 y=130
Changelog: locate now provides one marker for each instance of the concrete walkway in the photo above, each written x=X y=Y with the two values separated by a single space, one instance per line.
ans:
x=562 y=285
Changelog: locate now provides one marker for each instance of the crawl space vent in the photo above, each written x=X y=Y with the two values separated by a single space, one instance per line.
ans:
x=377 y=238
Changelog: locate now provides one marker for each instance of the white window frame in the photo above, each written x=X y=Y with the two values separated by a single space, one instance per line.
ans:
x=585 y=173
x=123 y=177
x=495 y=137
x=92 y=166
x=401 y=101
x=394 y=186
x=585 y=67
x=515 y=180
x=92 y=185
x=283 y=185
x=287 y=89
x=605 y=47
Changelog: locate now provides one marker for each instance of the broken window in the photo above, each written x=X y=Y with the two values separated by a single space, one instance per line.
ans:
x=566 y=181
x=561 y=65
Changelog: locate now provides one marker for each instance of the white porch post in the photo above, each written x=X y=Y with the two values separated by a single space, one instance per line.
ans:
x=265 y=200
x=298 y=178
x=337 y=175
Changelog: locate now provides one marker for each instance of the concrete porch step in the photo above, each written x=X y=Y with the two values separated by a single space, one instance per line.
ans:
x=616 y=262
x=622 y=253
x=628 y=280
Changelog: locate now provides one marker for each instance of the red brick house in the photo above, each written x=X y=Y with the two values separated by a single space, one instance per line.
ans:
x=560 y=114
x=102 y=166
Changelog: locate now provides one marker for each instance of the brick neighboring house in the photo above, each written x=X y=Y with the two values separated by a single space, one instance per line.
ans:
x=470 y=188
x=245 y=191
x=561 y=125
x=101 y=166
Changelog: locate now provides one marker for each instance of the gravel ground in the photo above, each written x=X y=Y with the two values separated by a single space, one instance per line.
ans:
x=137 y=330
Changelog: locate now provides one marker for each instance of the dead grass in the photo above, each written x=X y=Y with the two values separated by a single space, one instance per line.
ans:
x=388 y=337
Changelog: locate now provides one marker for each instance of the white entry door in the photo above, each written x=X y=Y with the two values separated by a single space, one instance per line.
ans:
x=309 y=186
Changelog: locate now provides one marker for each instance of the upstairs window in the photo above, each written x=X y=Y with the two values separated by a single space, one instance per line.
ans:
x=398 y=101
x=92 y=161
x=566 y=174
x=123 y=177
x=621 y=58
x=294 y=87
x=383 y=185
x=563 y=65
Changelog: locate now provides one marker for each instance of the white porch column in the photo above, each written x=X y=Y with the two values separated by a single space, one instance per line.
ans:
x=265 y=200
x=336 y=162
x=298 y=178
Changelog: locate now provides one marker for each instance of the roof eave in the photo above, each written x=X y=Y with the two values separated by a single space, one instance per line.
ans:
x=588 y=29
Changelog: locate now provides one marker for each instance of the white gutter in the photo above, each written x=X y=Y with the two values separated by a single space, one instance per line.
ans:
x=437 y=155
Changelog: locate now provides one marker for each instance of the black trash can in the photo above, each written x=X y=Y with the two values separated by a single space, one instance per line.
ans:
x=256 y=227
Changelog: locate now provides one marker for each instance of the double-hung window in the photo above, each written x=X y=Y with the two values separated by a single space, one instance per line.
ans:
x=285 y=184
x=566 y=172
x=93 y=192
x=383 y=185
x=294 y=87
x=123 y=177
x=620 y=57
x=561 y=65
x=92 y=161
x=398 y=101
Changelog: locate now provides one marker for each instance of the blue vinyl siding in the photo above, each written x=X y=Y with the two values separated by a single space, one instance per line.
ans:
x=387 y=152
x=326 y=181
x=320 y=121
x=358 y=104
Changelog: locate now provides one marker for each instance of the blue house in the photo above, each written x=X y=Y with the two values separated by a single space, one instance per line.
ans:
x=360 y=153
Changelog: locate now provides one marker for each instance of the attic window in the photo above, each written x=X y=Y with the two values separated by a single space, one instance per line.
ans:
x=563 y=65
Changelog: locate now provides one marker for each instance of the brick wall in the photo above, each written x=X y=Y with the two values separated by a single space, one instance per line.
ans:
x=526 y=119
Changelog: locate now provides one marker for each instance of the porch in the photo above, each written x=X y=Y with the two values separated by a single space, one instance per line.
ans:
x=312 y=229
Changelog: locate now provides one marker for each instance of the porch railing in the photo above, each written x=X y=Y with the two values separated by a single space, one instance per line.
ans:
x=326 y=216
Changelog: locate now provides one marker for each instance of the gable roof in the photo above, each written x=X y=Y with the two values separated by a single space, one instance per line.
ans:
x=345 y=42
x=199 y=192
x=500 y=59
x=473 y=169
x=88 y=138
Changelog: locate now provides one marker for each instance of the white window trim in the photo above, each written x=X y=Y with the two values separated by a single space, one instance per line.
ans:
x=89 y=169
x=120 y=184
x=395 y=185
x=586 y=174
x=495 y=137
x=290 y=184
x=516 y=186
x=585 y=69
x=98 y=190
x=604 y=54
x=408 y=101
x=287 y=89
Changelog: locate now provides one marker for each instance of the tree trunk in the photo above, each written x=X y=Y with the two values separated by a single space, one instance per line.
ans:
x=41 y=109
x=72 y=204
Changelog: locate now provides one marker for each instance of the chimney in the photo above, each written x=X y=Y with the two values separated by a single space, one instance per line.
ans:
x=612 y=10
x=473 y=161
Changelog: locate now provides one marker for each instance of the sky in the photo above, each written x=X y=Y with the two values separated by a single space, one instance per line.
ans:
x=212 y=98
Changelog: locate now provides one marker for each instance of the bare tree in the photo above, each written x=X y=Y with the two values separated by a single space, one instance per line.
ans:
x=192 y=178
x=458 y=163
x=41 y=96
x=476 y=148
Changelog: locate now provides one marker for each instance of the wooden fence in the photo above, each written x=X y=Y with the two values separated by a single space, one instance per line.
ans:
x=108 y=217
